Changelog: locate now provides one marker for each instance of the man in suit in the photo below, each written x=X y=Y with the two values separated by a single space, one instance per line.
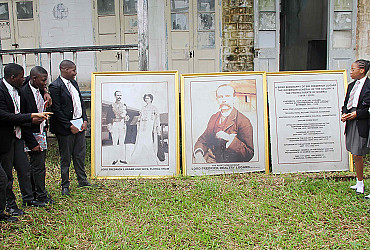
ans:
x=11 y=145
x=35 y=135
x=69 y=110
x=116 y=119
x=229 y=134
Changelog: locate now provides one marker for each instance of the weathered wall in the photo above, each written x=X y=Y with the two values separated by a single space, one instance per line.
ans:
x=237 y=35
x=68 y=23
x=363 y=30
x=157 y=35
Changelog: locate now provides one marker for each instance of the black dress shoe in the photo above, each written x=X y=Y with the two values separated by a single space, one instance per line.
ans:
x=114 y=162
x=14 y=211
x=47 y=200
x=34 y=203
x=65 y=191
x=7 y=218
x=124 y=162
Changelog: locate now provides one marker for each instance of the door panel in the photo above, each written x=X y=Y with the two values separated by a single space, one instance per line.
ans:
x=342 y=34
x=206 y=45
x=107 y=25
x=266 y=42
x=194 y=45
x=117 y=24
x=19 y=29
x=179 y=16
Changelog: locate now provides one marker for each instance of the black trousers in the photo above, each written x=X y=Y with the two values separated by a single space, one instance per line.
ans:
x=72 y=146
x=38 y=174
x=3 y=183
x=18 y=158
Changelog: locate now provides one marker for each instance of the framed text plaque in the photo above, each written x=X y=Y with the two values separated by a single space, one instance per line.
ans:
x=305 y=128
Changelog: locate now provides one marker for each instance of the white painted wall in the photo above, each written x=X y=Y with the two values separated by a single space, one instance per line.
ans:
x=74 y=29
x=157 y=35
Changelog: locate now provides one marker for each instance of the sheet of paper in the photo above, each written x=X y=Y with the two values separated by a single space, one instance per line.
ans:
x=77 y=123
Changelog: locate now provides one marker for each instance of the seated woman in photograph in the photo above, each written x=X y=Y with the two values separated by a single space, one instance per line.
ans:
x=355 y=113
x=145 y=151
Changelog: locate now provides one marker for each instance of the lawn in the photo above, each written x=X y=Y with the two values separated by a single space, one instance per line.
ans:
x=240 y=211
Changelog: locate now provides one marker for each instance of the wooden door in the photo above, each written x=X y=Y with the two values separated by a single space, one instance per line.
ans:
x=267 y=38
x=342 y=34
x=207 y=38
x=194 y=35
x=19 y=29
x=115 y=23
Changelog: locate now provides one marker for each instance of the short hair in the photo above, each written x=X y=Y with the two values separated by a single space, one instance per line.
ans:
x=66 y=64
x=115 y=93
x=38 y=70
x=12 y=69
x=226 y=85
x=149 y=95
x=363 y=64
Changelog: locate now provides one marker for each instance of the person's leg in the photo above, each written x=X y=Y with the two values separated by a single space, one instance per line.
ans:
x=37 y=162
x=3 y=184
x=115 y=137
x=122 y=144
x=359 y=165
x=22 y=166
x=78 y=156
x=7 y=164
x=65 y=152
x=115 y=133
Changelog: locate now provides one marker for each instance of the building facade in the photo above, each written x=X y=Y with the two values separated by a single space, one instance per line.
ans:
x=192 y=36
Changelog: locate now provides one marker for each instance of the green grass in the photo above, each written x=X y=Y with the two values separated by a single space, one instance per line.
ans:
x=241 y=211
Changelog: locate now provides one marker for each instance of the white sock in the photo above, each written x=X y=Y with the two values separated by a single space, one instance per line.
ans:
x=360 y=183
x=360 y=187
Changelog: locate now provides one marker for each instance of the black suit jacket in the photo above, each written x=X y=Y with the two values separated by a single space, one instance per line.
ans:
x=62 y=107
x=8 y=118
x=29 y=105
x=362 y=109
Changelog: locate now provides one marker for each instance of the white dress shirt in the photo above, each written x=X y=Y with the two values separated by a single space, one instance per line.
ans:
x=77 y=111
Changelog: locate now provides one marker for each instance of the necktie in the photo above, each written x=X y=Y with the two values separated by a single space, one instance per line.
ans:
x=40 y=102
x=352 y=95
x=17 y=130
x=74 y=101
x=40 y=107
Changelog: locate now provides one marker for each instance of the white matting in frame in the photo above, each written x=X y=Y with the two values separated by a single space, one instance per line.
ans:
x=305 y=128
x=135 y=124
x=224 y=119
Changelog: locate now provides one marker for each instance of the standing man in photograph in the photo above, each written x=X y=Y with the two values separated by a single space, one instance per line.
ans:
x=12 y=146
x=35 y=135
x=116 y=119
x=229 y=134
x=69 y=124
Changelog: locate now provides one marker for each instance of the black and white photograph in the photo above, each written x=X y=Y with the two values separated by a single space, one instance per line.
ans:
x=136 y=125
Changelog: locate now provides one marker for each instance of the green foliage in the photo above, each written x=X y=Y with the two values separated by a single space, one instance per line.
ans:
x=240 y=211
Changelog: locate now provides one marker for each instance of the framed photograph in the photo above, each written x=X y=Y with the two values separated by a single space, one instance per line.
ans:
x=305 y=128
x=224 y=123
x=135 y=124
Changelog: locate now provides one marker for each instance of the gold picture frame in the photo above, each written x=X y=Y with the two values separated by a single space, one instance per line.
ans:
x=246 y=125
x=135 y=124
x=305 y=128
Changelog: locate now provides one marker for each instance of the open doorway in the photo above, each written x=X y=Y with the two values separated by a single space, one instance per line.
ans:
x=303 y=34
